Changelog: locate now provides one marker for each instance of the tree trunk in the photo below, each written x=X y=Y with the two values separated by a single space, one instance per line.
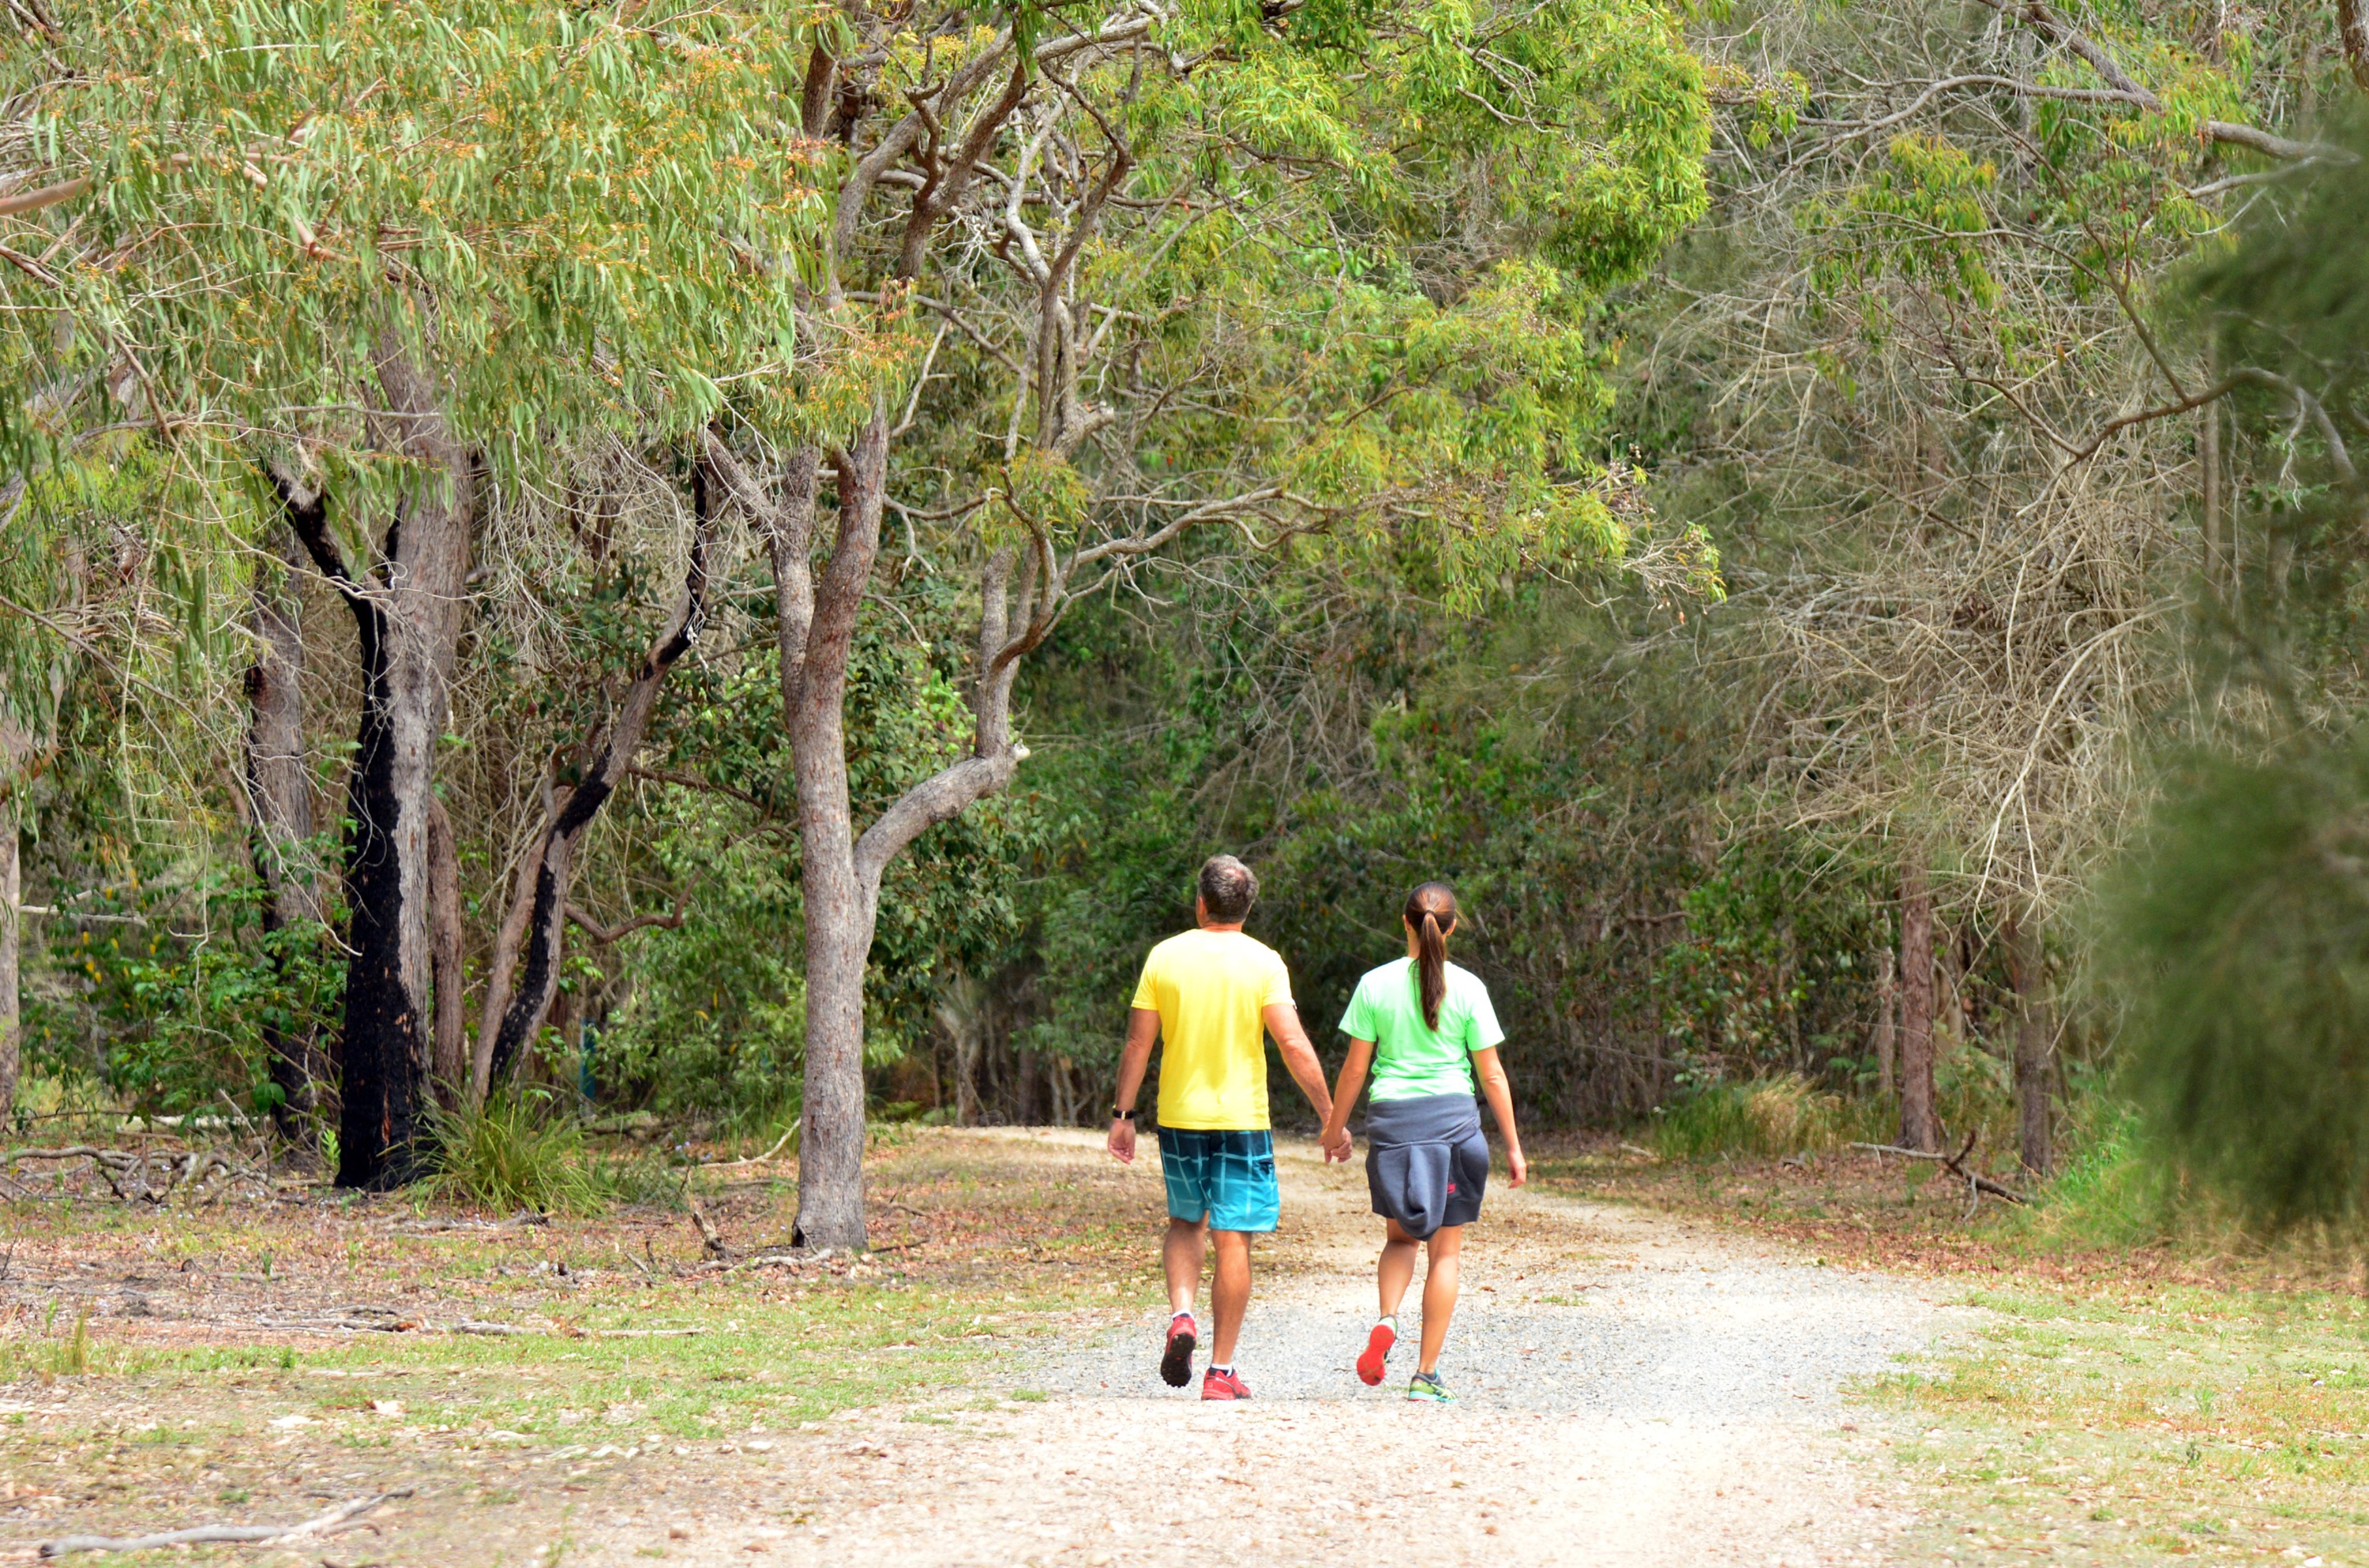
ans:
x=1887 y=1020
x=2035 y=1042
x=279 y=811
x=840 y=910
x=967 y=1045
x=1919 y=1128
x=2352 y=28
x=451 y=1049
x=538 y=914
x=407 y=616
x=12 y=1035
x=816 y=622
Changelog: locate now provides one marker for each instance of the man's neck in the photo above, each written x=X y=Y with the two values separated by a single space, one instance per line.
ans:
x=1215 y=925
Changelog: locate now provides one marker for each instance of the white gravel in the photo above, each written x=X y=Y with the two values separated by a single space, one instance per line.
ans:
x=1633 y=1392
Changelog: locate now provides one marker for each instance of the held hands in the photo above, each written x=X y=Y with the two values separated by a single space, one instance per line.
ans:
x=1122 y=1141
x=1335 y=1142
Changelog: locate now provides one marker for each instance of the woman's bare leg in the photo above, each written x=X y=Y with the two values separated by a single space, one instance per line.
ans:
x=1446 y=1244
x=1396 y=1271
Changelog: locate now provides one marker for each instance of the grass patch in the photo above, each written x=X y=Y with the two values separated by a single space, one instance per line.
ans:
x=516 y=1152
x=1767 y=1117
x=2126 y=1428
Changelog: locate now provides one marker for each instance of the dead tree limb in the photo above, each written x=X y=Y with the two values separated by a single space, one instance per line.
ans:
x=1954 y=1163
x=338 y=1519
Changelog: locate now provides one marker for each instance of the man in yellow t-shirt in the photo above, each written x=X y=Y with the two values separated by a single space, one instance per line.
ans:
x=1213 y=995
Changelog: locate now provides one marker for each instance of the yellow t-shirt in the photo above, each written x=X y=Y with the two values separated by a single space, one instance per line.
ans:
x=1210 y=987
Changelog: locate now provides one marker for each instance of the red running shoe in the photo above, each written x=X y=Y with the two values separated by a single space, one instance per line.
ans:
x=1176 y=1361
x=1377 y=1350
x=1223 y=1385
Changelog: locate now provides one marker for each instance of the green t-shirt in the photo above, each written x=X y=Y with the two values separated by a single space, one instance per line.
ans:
x=1411 y=1059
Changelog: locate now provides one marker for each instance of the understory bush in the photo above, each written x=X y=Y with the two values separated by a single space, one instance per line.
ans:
x=518 y=1151
x=1767 y=1117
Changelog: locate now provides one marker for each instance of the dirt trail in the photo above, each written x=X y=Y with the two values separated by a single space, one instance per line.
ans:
x=1633 y=1392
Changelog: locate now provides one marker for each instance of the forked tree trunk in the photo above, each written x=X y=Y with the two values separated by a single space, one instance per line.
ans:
x=280 y=809
x=840 y=910
x=815 y=622
x=538 y=913
x=2035 y=1043
x=1919 y=1127
x=406 y=613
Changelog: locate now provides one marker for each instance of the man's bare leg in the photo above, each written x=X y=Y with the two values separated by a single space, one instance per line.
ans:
x=1229 y=1293
x=1181 y=1255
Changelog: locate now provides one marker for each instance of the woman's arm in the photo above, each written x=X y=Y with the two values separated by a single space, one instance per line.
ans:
x=1346 y=1092
x=1500 y=1095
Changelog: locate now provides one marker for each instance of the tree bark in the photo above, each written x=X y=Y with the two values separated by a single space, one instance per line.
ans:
x=2035 y=1043
x=1919 y=1127
x=2354 y=29
x=538 y=914
x=12 y=1033
x=839 y=910
x=816 y=622
x=450 y=1058
x=1887 y=1020
x=280 y=808
x=407 y=616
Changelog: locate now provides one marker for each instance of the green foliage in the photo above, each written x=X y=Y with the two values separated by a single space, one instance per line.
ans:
x=519 y=1151
x=555 y=211
x=1764 y=956
x=178 y=986
x=2112 y=1190
x=2239 y=939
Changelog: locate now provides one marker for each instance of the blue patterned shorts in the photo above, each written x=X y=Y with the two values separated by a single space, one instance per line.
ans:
x=1227 y=1176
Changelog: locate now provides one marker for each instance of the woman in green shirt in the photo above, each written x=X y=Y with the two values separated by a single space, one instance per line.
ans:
x=1424 y=1026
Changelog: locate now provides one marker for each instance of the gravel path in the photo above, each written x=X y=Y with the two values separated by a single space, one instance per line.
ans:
x=1632 y=1392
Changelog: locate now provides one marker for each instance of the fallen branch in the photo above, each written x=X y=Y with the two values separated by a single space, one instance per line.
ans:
x=335 y=1519
x=709 y=1237
x=779 y=1144
x=1953 y=1163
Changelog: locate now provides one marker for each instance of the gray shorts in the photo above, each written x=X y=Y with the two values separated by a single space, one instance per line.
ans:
x=1426 y=1161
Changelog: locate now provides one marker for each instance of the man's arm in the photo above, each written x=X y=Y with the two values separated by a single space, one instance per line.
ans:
x=1142 y=1032
x=1299 y=1058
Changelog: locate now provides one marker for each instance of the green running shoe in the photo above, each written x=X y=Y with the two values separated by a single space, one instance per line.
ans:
x=1428 y=1388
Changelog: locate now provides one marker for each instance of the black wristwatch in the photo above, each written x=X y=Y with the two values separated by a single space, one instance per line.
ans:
x=1119 y=1116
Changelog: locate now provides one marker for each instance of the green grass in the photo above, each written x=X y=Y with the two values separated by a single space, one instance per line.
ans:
x=516 y=1151
x=2126 y=1429
x=1763 y=1117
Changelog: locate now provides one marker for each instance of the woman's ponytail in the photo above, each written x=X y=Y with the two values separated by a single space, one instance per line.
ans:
x=1431 y=915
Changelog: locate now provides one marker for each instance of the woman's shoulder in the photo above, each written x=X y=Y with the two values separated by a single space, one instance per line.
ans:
x=1464 y=980
x=1382 y=974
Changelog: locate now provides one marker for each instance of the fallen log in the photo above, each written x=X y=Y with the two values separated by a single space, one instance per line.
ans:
x=1954 y=1163
x=335 y=1519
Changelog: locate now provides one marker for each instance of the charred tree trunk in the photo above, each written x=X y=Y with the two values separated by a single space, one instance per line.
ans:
x=406 y=613
x=279 y=811
x=538 y=914
x=2035 y=1043
x=1919 y=1127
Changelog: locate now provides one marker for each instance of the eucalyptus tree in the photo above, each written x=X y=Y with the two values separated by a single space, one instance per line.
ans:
x=1317 y=279
x=367 y=263
x=1942 y=382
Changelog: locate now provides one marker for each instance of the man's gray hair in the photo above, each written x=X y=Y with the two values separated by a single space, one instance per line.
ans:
x=1227 y=888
